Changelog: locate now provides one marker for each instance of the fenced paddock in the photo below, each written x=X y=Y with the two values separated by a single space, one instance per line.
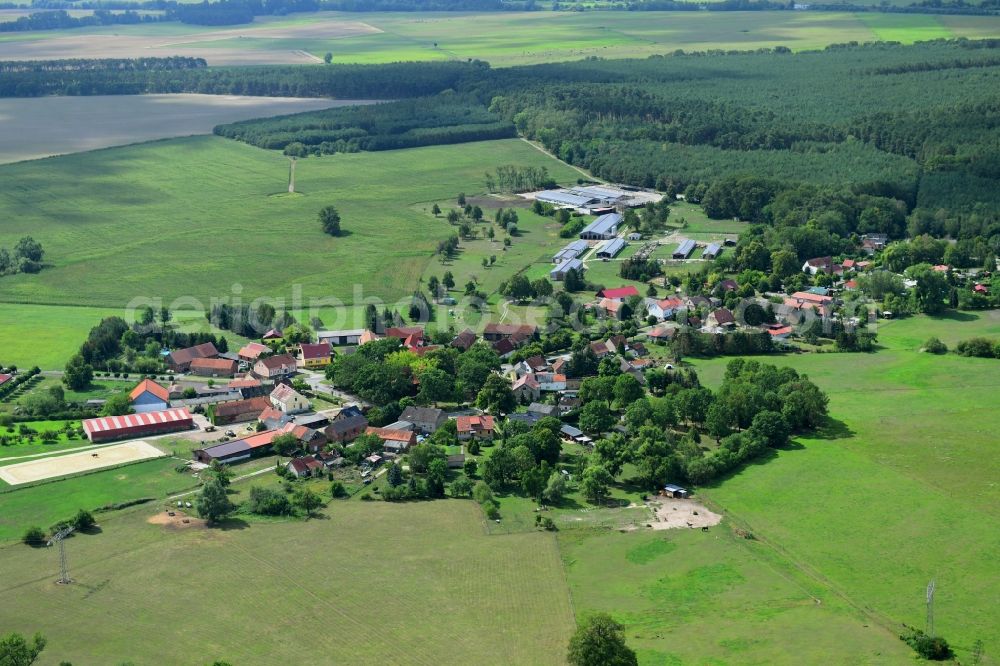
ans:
x=84 y=461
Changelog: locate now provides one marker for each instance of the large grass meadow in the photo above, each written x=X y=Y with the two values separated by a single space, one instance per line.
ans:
x=202 y=218
x=373 y=583
x=501 y=38
x=900 y=489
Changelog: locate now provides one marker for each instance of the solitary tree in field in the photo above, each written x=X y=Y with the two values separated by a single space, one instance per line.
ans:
x=16 y=650
x=436 y=210
x=330 y=219
x=448 y=280
x=328 y=57
x=213 y=505
x=307 y=500
x=78 y=374
x=599 y=641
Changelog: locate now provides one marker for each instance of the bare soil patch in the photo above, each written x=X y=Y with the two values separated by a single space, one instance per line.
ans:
x=671 y=514
x=178 y=521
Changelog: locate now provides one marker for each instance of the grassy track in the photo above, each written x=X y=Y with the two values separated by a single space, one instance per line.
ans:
x=368 y=583
x=195 y=219
x=902 y=488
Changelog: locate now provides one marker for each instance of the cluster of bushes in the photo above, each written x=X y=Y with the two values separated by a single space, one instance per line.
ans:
x=26 y=257
x=979 y=347
x=83 y=521
x=691 y=342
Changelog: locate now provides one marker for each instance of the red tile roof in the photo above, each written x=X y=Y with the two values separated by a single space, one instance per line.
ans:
x=314 y=351
x=619 y=292
x=244 y=382
x=145 y=386
x=474 y=423
x=217 y=364
x=106 y=423
x=185 y=356
x=509 y=329
x=275 y=362
x=237 y=407
x=387 y=435
x=4 y=378
x=253 y=349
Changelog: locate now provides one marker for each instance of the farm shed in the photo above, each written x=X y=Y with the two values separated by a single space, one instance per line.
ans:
x=344 y=337
x=611 y=249
x=684 y=250
x=603 y=228
x=670 y=490
x=571 y=251
x=712 y=251
x=558 y=274
x=108 y=428
x=148 y=396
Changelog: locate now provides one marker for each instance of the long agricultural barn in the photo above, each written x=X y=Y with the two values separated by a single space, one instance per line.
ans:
x=571 y=251
x=238 y=449
x=611 y=248
x=566 y=198
x=559 y=272
x=712 y=251
x=684 y=250
x=108 y=428
x=603 y=228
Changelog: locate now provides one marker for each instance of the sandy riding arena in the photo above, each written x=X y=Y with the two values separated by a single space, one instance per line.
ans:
x=178 y=521
x=85 y=461
x=679 y=513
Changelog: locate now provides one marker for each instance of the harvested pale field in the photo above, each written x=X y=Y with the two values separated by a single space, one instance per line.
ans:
x=172 y=39
x=85 y=461
x=45 y=126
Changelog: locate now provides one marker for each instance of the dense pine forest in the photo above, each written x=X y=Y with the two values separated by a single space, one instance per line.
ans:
x=874 y=138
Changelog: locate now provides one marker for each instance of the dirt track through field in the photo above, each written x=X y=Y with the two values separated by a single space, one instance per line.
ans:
x=85 y=461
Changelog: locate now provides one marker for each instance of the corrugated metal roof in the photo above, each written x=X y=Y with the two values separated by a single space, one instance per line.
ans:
x=227 y=449
x=612 y=247
x=604 y=225
x=685 y=248
x=564 y=198
x=106 y=423
x=566 y=266
x=712 y=250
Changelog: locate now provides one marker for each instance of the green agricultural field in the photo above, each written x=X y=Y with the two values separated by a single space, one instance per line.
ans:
x=687 y=597
x=48 y=335
x=48 y=502
x=416 y=583
x=502 y=38
x=900 y=489
x=187 y=220
x=44 y=336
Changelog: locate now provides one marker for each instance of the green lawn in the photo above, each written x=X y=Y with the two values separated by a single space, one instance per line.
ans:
x=183 y=221
x=688 y=597
x=901 y=489
x=44 y=336
x=46 y=503
x=367 y=583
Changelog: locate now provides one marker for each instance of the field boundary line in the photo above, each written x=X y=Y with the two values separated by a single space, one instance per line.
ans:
x=809 y=571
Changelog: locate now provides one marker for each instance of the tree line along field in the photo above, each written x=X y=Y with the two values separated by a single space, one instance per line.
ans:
x=502 y=38
x=196 y=217
x=367 y=583
x=899 y=490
